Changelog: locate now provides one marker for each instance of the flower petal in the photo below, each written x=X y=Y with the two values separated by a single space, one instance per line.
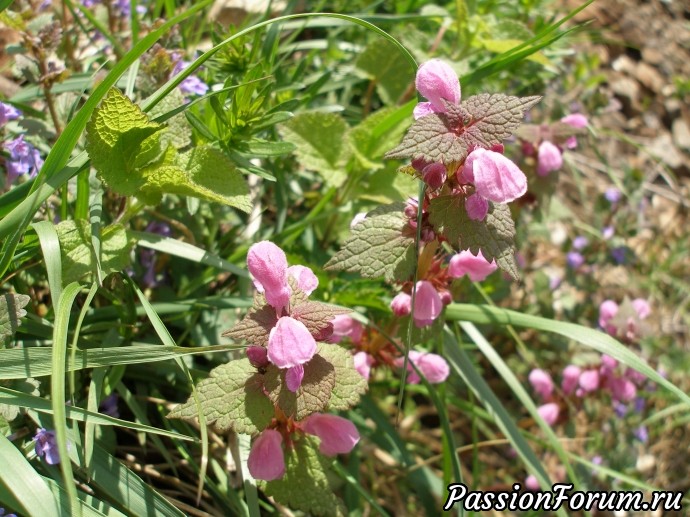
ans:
x=496 y=178
x=306 y=279
x=541 y=382
x=422 y=109
x=268 y=265
x=338 y=435
x=428 y=304
x=290 y=343
x=401 y=304
x=266 y=459
x=549 y=412
x=346 y=326
x=476 y=267
x=293 y=377
x=549 y=158
x=437 y=81
x=477 y=207
x=363 y=363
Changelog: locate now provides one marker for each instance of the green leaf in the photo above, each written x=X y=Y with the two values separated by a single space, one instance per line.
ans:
x=483 y=120
x=11 y=313
x=381 y=245
x=178 y=133
x=349 y=384
x=495 y=235
x=77 y=249
x=231 y=398
x=313 y=394
x=378 y=133
x=390 y=70
x=202 y=172
x=137 y=157
x=28 y=385
x=305 y=485
x=117 y=139
x=322 y=144
x=504 y=45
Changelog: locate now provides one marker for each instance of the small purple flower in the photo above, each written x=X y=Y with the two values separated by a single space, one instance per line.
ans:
x=640 y=403
x=574 y=259
x=620 y=409
x=618 y=254
x=46 y=446
x=641 y=434
x=147 y=257
x=8 y=112
x=109 y=405
x=89 y=3
x=3 y=514
x=607 y=232
x=613 y=195
x=580 y=242
x=192 y=85
x=24 y=159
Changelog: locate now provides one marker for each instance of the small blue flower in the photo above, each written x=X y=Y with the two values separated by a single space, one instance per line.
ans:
x=192 y=85
x=619 y=254
x=620 y=409
x=46 y=446
x=109 y=405
x=24 y=159
x=3 y=514
x=8 y=112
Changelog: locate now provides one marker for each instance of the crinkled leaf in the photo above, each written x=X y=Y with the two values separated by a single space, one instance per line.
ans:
x=11 y=313
x=114 y=138
x=231 y=398
x=305 y=485
x=311 y=397
x=322 y=144
x=317 y=316
x=349 y=384
x=203 y=172
x=390 y=70
x=483 y=120
x=29 y=386
x=495 y=235
x=178 y=132
x=255 y=327
x=137 y=157
x=381 y=245
x=77 y=249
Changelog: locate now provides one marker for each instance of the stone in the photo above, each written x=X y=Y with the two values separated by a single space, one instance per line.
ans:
x=681 y=134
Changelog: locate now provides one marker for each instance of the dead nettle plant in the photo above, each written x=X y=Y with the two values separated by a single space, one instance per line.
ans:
x=296 y=373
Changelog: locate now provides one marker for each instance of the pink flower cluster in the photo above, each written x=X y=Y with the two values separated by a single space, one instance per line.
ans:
x=372 y=352
x=548 y=151
x=267 y=460
x=486 y=174
x=582 y=382
x=630 y=330
x=290 y=344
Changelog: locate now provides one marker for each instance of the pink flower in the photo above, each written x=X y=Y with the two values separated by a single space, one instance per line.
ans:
x=258 y=356
x=293 y=377
x=345 y=326
x=608 y=363
x=268 y=265
x=363 y=363
x=495 y=177
x=477 y=207
x=437 y=82
x=642 y=308
x=607 y=311
x=541 y=382
x=531 y=483
x=428 y=304
x=589 y=380
x=266 y=459
x=549 y=158
x=434 y=367
x=621 y=389
x=571 y=377
x=290 y=343
x=575 y=120
x=435 y=175
x=401 y=304
x=305 y=277
x=338 y=435
x=549 y=412
x=476 y=267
